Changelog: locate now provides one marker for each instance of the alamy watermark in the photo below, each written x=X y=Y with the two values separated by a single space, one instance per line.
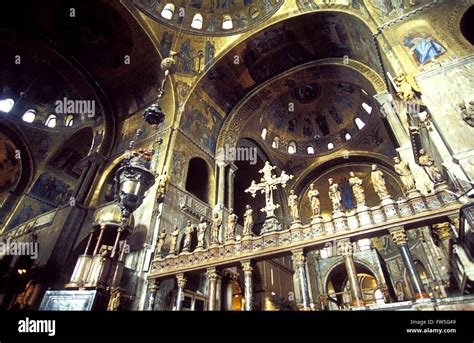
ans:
x=68 y=106
x=19 y=249
x=28 y=325
x=242 y=153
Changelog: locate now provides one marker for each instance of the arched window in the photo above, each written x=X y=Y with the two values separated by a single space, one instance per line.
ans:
x=197 y=180
x=310 y=150
x=466 y=25
x=227 y=22
x=292 y=148
x=347 y=136
x=330 y=146
x=69 y=121
x=360 y=124
x=168 y=11
x=276 y=143
x=51 y=121
x=367 y=107
x=29 y=116
x=264 y=134
x=197 y=22
x=6 y=105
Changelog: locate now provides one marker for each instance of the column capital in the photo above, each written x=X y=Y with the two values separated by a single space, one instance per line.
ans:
x=299 y=258
x=233 y=168
x=212 y=274
x=344 y=247
x=221 y=163
x=399 y=236
x=247 y=266
x=181 y=279
x=443 y=231
x=454 y=219
x=153 y=285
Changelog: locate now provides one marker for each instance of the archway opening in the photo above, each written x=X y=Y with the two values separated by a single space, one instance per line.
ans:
x=466 y=26
x=338 y=287
x=197 y=180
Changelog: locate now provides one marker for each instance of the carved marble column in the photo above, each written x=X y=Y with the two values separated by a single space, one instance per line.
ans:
x=99 y=239
x=444 y=233
x=181 y=280
x=400 y=132
x=248 y=284
x=228 y=297
x=218 y=293
x=230 y=186
x=399 y=237
x=221 y=185
x=345 y=249
x=153 y=287
x=88 y=174
x=299 y=265
x=212 y=277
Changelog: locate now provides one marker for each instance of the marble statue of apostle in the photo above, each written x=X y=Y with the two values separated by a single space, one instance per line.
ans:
x=378 y=181
x=174 y=241
x=357 y=189
x=335 y=195
x=215 y=228
x=467 y=113
x=293 y=205
x=313 y=195
x=201 y=231
x=161 y=242
x=231 y=224
x=248 y=220
x=114 y=301
x=405 y=89
x=188 y=236
x=403 y=170
x=430 y=167
x=162 y=182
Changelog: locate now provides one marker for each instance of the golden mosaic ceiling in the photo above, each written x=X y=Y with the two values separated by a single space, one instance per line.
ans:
x=10 y=166
x=210 y=17
x=315 y=114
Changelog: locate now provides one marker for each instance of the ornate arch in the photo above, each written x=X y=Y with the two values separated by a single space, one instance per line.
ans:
x=255 y=100
x=327 y=273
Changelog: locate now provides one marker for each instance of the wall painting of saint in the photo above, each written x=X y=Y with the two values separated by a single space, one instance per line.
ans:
x=423 y=47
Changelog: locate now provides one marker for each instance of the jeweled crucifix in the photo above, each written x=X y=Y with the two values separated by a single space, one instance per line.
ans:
x=266 y=186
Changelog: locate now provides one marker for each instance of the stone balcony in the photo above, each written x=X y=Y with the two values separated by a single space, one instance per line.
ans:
x=416 y=210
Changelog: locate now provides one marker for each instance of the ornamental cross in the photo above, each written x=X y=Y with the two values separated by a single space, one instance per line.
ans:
x=267 y=185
